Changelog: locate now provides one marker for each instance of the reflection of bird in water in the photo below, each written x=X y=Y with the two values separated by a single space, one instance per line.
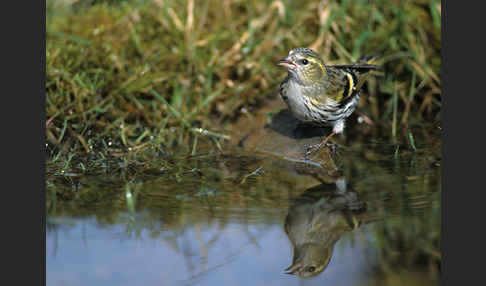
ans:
x=315 y=223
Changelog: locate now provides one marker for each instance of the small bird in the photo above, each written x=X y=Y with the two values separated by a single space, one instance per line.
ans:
x=320 y=94
x=316 y=221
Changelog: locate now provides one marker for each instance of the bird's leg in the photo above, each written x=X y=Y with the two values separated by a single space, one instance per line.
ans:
x=313 y=148
x=324 y=142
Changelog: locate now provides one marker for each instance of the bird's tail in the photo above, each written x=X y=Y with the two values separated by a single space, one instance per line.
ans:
x=365 y=64
x=368 y=60
x=361 y=69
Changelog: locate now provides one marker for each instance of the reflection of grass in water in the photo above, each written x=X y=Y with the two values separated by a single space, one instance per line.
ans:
x=210 y=184
x=414 y=238
x=206 y=191
x=408 y=201
x=188 y=240
x=144 y=74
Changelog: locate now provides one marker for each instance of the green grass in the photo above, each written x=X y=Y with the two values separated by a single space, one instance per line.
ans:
x=149 y=74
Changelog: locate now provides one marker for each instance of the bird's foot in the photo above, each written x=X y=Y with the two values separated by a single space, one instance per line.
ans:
x=324 y=142
x=312 y=148
x=332 y=147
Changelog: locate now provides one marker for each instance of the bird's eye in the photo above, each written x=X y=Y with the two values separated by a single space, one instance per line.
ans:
x=311 y=269
x=304 y=61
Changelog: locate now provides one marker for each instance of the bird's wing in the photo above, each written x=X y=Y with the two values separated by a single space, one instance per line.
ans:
x=346 y=80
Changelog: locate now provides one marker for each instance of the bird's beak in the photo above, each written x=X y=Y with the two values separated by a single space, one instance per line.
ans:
x=292 y=269
x=288 y=63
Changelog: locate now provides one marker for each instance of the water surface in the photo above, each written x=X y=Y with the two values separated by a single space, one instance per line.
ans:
x=368 y=215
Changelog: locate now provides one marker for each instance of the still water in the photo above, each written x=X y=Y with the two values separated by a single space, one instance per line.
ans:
x=366 y=215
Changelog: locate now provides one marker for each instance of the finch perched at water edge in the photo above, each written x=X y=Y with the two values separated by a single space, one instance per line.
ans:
x=320 y=94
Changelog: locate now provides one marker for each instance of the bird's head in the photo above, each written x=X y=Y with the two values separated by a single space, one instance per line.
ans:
x=310 y=259
x=304 y=65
